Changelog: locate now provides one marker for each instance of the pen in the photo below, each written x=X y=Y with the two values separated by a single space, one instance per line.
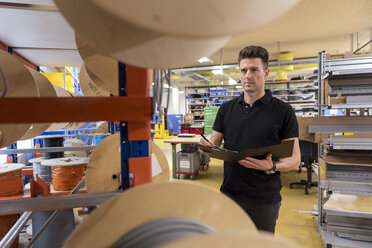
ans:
x=204 y=137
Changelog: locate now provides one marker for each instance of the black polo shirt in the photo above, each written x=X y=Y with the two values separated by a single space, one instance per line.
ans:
x=267 y=122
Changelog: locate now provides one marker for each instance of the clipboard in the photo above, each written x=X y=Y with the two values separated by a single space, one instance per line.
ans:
x=282 y=150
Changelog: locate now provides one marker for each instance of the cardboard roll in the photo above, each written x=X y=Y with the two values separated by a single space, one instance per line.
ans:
x=104 y=167
x=236 y=239
x=72 y=143
x=132 y=44
x=20 y=83
x=102 y=127
x=88 y=85
x=45 y=89
x=61 y=92
x=193 y=17
x=139 y=205
x=99 y=65
x=5 y=168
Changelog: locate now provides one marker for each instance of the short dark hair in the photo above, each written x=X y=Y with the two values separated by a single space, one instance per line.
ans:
x=255 y=52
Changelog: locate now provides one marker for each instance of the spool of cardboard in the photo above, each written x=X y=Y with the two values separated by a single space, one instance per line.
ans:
x=88 y=85
x=20 y=83
x=194 y=17
x=104 y=167
x=45 y=89
x=129 y=43
x=102 y=128
x=236 y=239
x=103 y=67
x=74 y=143
x=60 y=93
x=139 y=205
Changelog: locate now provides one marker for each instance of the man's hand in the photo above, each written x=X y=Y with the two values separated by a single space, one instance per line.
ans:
x=258 y=164
x=205 y=143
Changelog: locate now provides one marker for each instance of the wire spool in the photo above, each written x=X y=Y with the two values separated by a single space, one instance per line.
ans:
x=43 y=172
x=58 y=230
x=60 y=93
x=193 y=17
x=102 y=128
x=67 y=172
x=236 y=239
x=105 y=68
x=88 y=85
x=53 y=141
x=132 y=44
x=20 y=83
x=75 y=142
x=45 y=89
x=104 y=167
x=158 y=156
x=143 y=204
x=11 y=179
x=10 y=185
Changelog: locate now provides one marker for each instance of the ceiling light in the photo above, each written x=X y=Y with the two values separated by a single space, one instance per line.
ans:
x=217 y=72
x=232 y=81
x=204 y=60
x=181 y=92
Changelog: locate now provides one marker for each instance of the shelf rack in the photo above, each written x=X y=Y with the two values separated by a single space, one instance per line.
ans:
x=132 y=108
x=340 y=68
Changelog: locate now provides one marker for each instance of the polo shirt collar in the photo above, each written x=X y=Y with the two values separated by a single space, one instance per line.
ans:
x=265 y=99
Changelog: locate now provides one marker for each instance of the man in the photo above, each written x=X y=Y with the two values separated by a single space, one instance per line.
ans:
x=255 y=119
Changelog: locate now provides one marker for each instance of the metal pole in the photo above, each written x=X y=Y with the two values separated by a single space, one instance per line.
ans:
x=351 y=42
x=278 y=55
x=64 y=77
x=13 y=233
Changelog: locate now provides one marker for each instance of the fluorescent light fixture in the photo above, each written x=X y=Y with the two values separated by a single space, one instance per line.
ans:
x=232 y=81
x=181 y=92
x=217 y=72
x=204 y=60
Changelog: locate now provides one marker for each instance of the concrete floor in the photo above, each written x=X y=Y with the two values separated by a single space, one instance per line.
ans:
x=296 y=226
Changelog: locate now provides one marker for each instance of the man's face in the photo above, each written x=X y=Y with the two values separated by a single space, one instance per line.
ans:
x=253 y=75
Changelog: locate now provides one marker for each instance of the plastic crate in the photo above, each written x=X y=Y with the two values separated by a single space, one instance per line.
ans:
x=187 y=162
x=185 y=128
x=194 y=130
x=174 y=123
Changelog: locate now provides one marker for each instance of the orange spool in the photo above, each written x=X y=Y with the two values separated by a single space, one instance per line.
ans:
x=67 y=172
x=10 y=185
x=67 y=177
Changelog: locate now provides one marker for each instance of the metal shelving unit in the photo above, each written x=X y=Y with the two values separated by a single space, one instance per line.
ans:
x=293 y=90
x=134 y=116
x=347 y=181
x=198 y=97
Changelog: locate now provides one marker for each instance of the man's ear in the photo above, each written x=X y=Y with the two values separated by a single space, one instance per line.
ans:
x=267 y=71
